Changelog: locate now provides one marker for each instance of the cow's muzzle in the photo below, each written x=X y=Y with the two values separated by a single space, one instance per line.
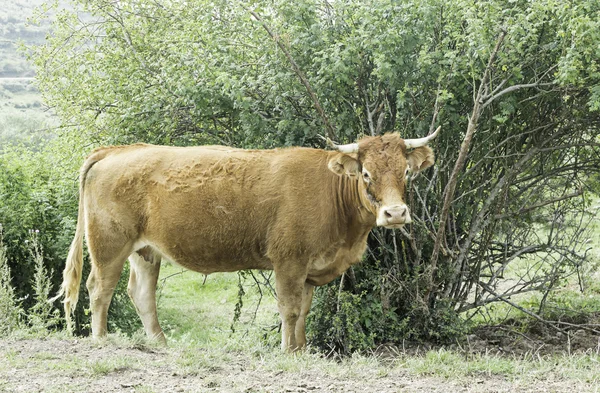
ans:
x=394 y=216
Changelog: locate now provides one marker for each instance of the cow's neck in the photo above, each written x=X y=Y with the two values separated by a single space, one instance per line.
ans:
x=350 y=205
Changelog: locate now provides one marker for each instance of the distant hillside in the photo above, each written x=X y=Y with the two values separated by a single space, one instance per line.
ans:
x=24 y=119
x=14 y=28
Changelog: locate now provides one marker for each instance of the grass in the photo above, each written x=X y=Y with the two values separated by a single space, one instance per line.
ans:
x=441 y=363
x=11 y=356
x=105 y=367
x=193 y=308
x=197 y=315
x=193 y=359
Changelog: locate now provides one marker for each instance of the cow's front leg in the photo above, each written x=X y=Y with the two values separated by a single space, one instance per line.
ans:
x=307 y=296
x=289 y=283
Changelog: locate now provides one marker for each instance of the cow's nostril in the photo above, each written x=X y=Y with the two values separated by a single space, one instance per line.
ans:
x=387 y=214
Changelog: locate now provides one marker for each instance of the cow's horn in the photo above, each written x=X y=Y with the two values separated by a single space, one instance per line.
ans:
x=349 y=148
x=413 y=143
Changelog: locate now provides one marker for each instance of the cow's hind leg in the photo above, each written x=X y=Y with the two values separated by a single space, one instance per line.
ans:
x=144 y=269
x=107 y=265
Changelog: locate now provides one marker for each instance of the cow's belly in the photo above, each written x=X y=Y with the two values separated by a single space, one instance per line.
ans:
x=222 y=257
x=209 y=248
x=208 y=266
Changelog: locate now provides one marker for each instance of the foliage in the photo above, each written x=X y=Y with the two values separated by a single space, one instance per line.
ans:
x=35 y=195
x=520 y=77
x=38 y=192
x=337 y=321
x=365 y=313
x=42 y=316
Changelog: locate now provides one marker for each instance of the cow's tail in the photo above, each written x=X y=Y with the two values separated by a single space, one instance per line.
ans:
x=74 y=266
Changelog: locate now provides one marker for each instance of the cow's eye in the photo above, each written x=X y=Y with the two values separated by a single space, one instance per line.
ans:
x=366 y=177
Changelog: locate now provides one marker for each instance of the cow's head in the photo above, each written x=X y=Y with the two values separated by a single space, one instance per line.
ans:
x=382 y=164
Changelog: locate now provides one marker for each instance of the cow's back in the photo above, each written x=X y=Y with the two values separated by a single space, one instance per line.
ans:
x=215 y=208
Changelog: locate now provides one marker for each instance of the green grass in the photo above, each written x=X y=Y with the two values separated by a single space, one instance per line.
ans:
x=197 y=318
x=11 y=356
x=441 y=363
x=448 y=364
x=104 y=367
x=193 y=308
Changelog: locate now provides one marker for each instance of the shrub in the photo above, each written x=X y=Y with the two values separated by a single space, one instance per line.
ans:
x=513 y=85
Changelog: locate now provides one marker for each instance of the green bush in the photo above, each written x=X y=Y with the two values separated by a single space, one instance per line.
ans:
x=33 y=197
x=371 y=310
x=339 y=321
x=521 y=76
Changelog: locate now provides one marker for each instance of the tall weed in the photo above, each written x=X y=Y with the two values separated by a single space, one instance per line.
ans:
x=10 y=310
x=42 y=315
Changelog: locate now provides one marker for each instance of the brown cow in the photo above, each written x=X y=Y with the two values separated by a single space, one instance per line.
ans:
x=305 y=213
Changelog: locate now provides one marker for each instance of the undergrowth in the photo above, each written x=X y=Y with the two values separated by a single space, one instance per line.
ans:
x=10 y=311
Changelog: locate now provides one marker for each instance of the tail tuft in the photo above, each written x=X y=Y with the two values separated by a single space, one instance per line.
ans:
x=74 y=266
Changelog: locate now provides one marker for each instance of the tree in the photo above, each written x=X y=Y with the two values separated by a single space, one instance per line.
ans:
x=514 y=84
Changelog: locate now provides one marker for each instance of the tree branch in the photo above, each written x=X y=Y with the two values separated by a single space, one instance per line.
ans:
x=541 y=204
x=300 y=74
x=462 y=156
x=491 y=98
x=534 y=315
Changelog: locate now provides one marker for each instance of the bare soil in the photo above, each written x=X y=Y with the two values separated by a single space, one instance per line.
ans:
x=80 y=365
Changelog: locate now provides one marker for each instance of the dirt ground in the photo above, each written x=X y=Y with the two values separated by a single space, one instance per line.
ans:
x=80 y=365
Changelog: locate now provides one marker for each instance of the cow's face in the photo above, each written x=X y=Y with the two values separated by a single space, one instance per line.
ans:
x=382 y=165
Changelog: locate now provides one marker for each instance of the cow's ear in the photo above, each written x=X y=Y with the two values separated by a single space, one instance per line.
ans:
x=341 y=164
x=420 y=158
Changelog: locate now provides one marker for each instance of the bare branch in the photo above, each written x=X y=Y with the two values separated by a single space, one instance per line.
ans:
x=380 y=120
x=492 y=98
x=534 y=315
x=436 y=110
x=541 y=204
x=500 y=86
x=462 y=156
